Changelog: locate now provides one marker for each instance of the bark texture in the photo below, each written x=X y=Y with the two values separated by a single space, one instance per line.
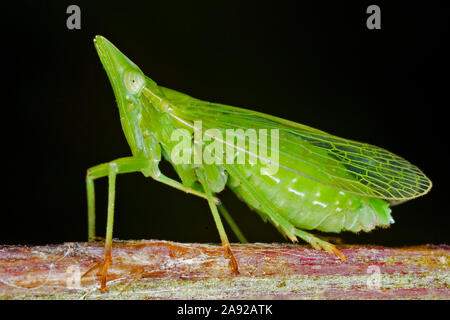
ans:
x=151 y=269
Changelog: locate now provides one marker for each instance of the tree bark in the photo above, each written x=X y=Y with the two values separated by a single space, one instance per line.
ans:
x=151 y=269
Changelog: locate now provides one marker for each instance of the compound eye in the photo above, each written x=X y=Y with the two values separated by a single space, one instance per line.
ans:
x=133 y=81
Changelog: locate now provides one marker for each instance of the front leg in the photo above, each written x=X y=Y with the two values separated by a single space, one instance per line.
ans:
x=111 y=169
x=150 y=169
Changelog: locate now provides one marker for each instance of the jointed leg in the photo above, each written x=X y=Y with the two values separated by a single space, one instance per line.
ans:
x=223 y=236
x=123 y=165
x=127 y=165
x=284 y=225
x=102 y=170
x=111 y=169
x=110 y=222
x=319 y=244
x=158 y=176
x=91 y=207
x=231 y=223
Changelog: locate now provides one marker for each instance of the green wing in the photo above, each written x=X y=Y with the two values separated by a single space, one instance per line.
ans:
x=347 y=165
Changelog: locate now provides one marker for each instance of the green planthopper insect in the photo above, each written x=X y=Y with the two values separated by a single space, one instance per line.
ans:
x=294 y=176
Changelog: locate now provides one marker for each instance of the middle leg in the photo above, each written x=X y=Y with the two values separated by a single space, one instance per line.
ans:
x=223 y=236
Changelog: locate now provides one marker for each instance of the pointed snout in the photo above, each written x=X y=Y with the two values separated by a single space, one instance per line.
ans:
x=114 y=61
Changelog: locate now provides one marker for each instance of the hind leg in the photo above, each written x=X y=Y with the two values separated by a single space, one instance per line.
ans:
x=319 y=244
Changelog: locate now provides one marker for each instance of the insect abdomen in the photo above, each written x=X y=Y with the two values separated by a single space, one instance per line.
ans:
x=308 y=204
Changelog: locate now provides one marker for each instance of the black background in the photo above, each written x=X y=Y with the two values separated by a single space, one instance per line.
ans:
x=315 y=63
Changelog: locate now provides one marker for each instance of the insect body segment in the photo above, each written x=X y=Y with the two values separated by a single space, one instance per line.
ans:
x=310 y=205
x=303 y=179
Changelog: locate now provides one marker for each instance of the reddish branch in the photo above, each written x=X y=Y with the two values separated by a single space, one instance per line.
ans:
x=168 y=270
